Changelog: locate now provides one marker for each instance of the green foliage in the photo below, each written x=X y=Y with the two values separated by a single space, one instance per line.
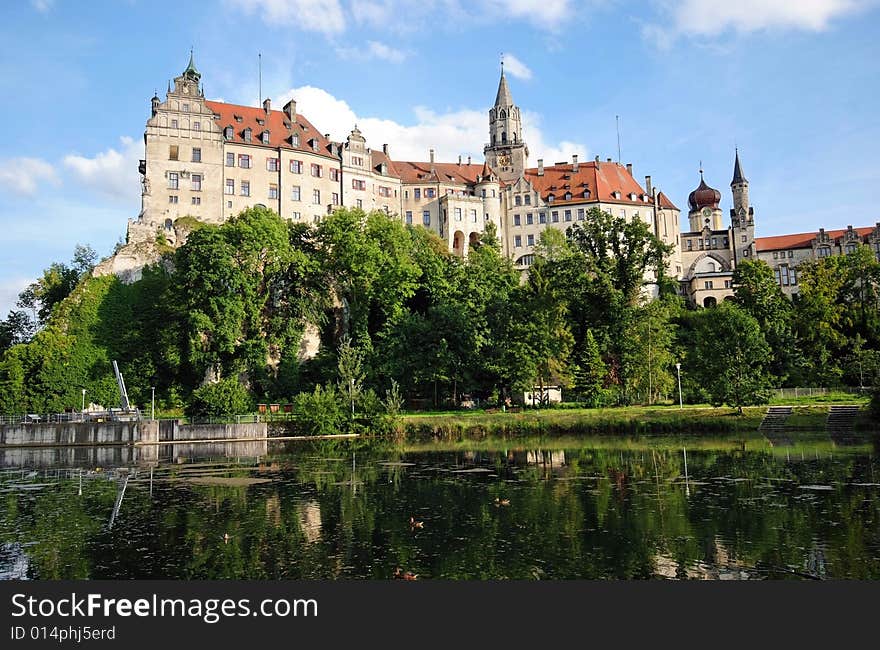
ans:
x=225 y=397
x=730 y=357
x=321 y=412
x=589 y=372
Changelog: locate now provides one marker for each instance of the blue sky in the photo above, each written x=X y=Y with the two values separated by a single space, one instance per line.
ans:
x=793 y=84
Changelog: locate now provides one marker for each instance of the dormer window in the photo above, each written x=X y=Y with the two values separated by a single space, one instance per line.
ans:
x=238 y=118
x=313 y=143
x=550 y=198
x=616 y=194
x=586 y=194
x=247 y=134
x=294 y=139
x=632 y=196
x=265 y=137
x=568 y=196
x=227 y=133
x=261 y=122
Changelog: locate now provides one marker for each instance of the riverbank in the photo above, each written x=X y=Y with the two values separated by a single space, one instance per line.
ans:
x=621 y=420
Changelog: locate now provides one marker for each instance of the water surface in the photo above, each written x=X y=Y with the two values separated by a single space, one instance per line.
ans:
x=531 y=509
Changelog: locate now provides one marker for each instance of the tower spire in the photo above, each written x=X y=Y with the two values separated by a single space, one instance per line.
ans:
x=503 y=97
x=738 y=176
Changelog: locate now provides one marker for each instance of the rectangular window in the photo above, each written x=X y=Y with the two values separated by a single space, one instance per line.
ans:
x=714 y=242
x=517 y=200
x=197 y=154
x=426 y=217
x=316 y=170
x=473 y=216
x=316 y=197
x=185 y=108
x=529 y=219
x=430 y=193
x=296 y=166
x=196 y=200
x=172 y=199
x=785 y=276
x=708 y=284
x=244 y=161
x=409 y=217
x=297 y=216
x=417 y=193
x=296 y=193
x=294 y=140
x=230 y=159
x=775 y=255
x=229 y=204
x=196 y=180
x=230 y=186
x=728 y=284
x=528 y=199
x=334 y=174
x=778 y=275
x=745 y=239
x=173 y=124
x=358 y=184
x=271 y=164
x=568 y=215
x=555 y=216
x=580 y=214
x=384 y=191
x=542 y=217
x=791 y=254
x=197 y=126
x=530 y=240
x=357 y=161
x=173 y=180
x=273 y=191
x=517 y=241
x=359 y=203
x=516 y=220
x=457 y=213
x=173 y=151
x=245 y=188
x=334 y=198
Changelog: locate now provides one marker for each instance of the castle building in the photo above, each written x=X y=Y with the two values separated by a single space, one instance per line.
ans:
x=210 y=160
x=710 y=251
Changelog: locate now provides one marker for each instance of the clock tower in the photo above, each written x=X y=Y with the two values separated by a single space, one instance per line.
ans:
x=506 y=152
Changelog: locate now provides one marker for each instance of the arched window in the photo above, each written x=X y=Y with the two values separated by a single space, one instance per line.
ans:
x=502 y=114
x=504 y=137
x=710 y=302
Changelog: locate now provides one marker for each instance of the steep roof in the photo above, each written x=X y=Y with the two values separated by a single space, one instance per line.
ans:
x=602 y=179
x=275 y=121
x=738 y=176
x=803 y=239
x=503 y=97
x=664 y=202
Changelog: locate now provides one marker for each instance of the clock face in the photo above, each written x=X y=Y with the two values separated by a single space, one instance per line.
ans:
x=185 y=90
x=504 y=160
x=707 y=212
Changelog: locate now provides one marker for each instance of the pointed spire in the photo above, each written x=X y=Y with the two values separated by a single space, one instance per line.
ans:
x=191 y=71
x=503 y=97
x=738 y=177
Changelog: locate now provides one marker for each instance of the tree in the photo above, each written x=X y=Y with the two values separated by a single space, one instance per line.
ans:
x=730 y=357
x=56 y=283
x=17 y=328
x=589 y=371
x=351 y=373
x=758 y=293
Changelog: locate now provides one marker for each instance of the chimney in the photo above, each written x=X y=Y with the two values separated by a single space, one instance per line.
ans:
x=629 y=169
x=290 y=111
x=540 y=166
x=608 y=160
x=385 y=149
x=597 y=158
x=459 y=160
x=574 y=163
x=648 y=185
x=327 y=136
x=431 y=154
x=469 y=160
x=267 y=105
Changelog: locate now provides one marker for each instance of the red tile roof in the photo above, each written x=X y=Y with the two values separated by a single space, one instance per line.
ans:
x=602 y=179
x=275 y=121
x=664 y=202
x=802 y=239
x=416 y=172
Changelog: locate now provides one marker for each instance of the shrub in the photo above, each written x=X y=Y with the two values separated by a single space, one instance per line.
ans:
x=226 y=397
x=322 y=412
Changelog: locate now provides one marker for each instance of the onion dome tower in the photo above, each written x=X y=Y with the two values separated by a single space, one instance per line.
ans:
x=704 y=207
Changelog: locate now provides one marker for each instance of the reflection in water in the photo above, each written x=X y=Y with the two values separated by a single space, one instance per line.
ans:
x=501 y=509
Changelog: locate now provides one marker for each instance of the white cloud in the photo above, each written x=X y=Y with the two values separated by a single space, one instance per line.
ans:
x=373 y=50
x=516 y=67
x=323 y=16
x=23 y=176
x=547 y=14
x=43 y=6
x=712 y=17
x=113 y=172
x=450 y=134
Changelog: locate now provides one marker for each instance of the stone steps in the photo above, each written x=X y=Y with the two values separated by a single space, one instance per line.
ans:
x=775 y=418
x=842 y=419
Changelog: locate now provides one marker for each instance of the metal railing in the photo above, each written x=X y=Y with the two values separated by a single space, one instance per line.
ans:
x=87 y=416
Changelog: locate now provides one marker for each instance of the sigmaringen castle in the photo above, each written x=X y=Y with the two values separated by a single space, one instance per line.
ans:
x=210 y=160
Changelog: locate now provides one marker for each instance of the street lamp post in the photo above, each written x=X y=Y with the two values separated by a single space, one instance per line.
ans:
x=153 y=403
x=84 y=400
x=678 y=372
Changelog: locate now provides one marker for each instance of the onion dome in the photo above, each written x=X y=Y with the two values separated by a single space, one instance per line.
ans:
x=704 y=196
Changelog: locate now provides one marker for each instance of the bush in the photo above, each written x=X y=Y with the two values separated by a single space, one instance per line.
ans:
x=226 y=397
x=322 y=412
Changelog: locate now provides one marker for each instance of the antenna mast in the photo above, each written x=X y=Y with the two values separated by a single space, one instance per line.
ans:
x=617 y=119
x=260 y=74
